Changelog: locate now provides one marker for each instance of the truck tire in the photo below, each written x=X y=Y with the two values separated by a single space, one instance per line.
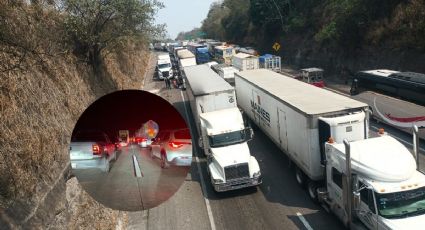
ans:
x=106 y=166
x=312 y=190
x=164 y=163
x=300 y=177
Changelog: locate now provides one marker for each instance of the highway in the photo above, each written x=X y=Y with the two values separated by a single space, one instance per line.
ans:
x=123 y=189
x=278 y=203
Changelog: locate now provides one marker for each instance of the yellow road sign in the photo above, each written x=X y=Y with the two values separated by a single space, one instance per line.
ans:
x=276 y=46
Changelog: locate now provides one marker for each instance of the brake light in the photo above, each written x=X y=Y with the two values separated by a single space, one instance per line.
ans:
x=176 y=144
x=96 y=149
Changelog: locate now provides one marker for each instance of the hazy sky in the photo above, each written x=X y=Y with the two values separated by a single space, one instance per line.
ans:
x=183 y=15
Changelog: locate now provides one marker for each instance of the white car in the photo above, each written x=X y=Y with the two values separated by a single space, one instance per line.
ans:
x=172 y=147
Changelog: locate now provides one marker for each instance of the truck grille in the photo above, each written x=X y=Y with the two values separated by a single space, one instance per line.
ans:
x=238 y=171
x=165 y=74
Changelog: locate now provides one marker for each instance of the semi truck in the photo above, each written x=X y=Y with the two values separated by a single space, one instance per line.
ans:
x=164 y=67
x=224 y=54
x=200 y=51
x=223 y=134
x=367 y=182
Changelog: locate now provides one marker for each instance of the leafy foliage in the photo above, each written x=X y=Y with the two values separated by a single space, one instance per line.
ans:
x=347 y=24
x=94 y=25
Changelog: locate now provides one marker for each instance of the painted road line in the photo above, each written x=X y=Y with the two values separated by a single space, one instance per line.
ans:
x=304 y=221
x=204 y=190
x=154 y=91
x=398 y=138
x=137 y=170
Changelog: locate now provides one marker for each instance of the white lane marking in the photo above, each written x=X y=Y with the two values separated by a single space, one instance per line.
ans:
x=204 y=190
x=398 y=138
x=304 y=221
x=136 y=167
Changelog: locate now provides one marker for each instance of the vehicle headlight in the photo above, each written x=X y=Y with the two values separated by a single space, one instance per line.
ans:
x=216 y=181
x=257 y=174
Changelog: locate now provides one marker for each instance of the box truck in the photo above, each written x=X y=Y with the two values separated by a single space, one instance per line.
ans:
x=243 y=61
x=222 y=131
x=325 y=135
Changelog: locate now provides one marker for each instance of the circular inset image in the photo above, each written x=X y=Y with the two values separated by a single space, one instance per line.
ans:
x=131 y=150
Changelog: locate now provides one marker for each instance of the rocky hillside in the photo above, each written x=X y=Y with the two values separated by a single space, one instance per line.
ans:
x=45 y=85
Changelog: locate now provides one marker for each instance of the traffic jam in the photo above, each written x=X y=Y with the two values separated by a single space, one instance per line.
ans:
x=125 y=157
x=331 y=137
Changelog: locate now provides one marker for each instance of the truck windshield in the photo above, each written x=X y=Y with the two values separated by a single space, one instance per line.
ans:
x=161 y=66
x=227 y=138
x=401 y=204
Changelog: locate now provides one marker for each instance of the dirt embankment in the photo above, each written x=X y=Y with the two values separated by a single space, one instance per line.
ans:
x=39 y=108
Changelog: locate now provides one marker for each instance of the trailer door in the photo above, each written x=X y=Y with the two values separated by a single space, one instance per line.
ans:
x=283 y=134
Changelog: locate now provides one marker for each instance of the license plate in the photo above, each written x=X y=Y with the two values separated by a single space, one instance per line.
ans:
x=73 y=165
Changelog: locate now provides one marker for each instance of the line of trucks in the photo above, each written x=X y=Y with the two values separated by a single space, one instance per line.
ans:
x=371 y=183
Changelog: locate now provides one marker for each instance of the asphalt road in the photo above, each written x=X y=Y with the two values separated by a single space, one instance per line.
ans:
x=121 y=189
x=278 y=203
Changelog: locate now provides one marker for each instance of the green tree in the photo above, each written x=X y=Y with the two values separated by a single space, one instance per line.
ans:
x=93 y=25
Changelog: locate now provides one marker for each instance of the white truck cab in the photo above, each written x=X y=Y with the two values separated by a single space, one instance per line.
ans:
x=224 y=140
x=388 y=191
x=164 y=68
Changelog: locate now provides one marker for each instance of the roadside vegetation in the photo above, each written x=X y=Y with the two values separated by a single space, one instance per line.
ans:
x=312 y=31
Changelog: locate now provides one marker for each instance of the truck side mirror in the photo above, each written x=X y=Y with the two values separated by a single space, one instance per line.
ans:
x=356 y=200
x=251 y=133
x=200 y=143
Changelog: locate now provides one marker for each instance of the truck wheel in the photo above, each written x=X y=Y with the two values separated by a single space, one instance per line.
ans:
x=299 y=176
x=312 y=191
x=164 y=163
x=106 y=165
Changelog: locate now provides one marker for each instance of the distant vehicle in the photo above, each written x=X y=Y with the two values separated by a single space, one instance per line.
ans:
x=124 y=137
x=164 y=67
x=225 y=71
x=224 y=54
x=221 y=127
x=373 y=182
x=271 y=62
x=91 y=149
x=143 y=142
x=313 y=76
x=172 y=147
x=243 y=61
x=408 y=85
x=200 y=51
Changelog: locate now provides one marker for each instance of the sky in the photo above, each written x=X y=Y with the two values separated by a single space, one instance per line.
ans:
x=183 y=15
x=128 y=109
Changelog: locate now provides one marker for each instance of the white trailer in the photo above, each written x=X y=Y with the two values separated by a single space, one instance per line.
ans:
x=226 y=72
x=309 y=125
x=243 y=61
x=222 y=131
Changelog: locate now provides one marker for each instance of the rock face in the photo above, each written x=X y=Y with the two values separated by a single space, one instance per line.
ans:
x=39 y=109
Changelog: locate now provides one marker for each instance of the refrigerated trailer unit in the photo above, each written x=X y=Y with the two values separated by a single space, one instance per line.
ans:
x=297 y=118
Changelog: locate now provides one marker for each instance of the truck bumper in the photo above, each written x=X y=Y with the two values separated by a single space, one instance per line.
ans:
x=237 y=184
